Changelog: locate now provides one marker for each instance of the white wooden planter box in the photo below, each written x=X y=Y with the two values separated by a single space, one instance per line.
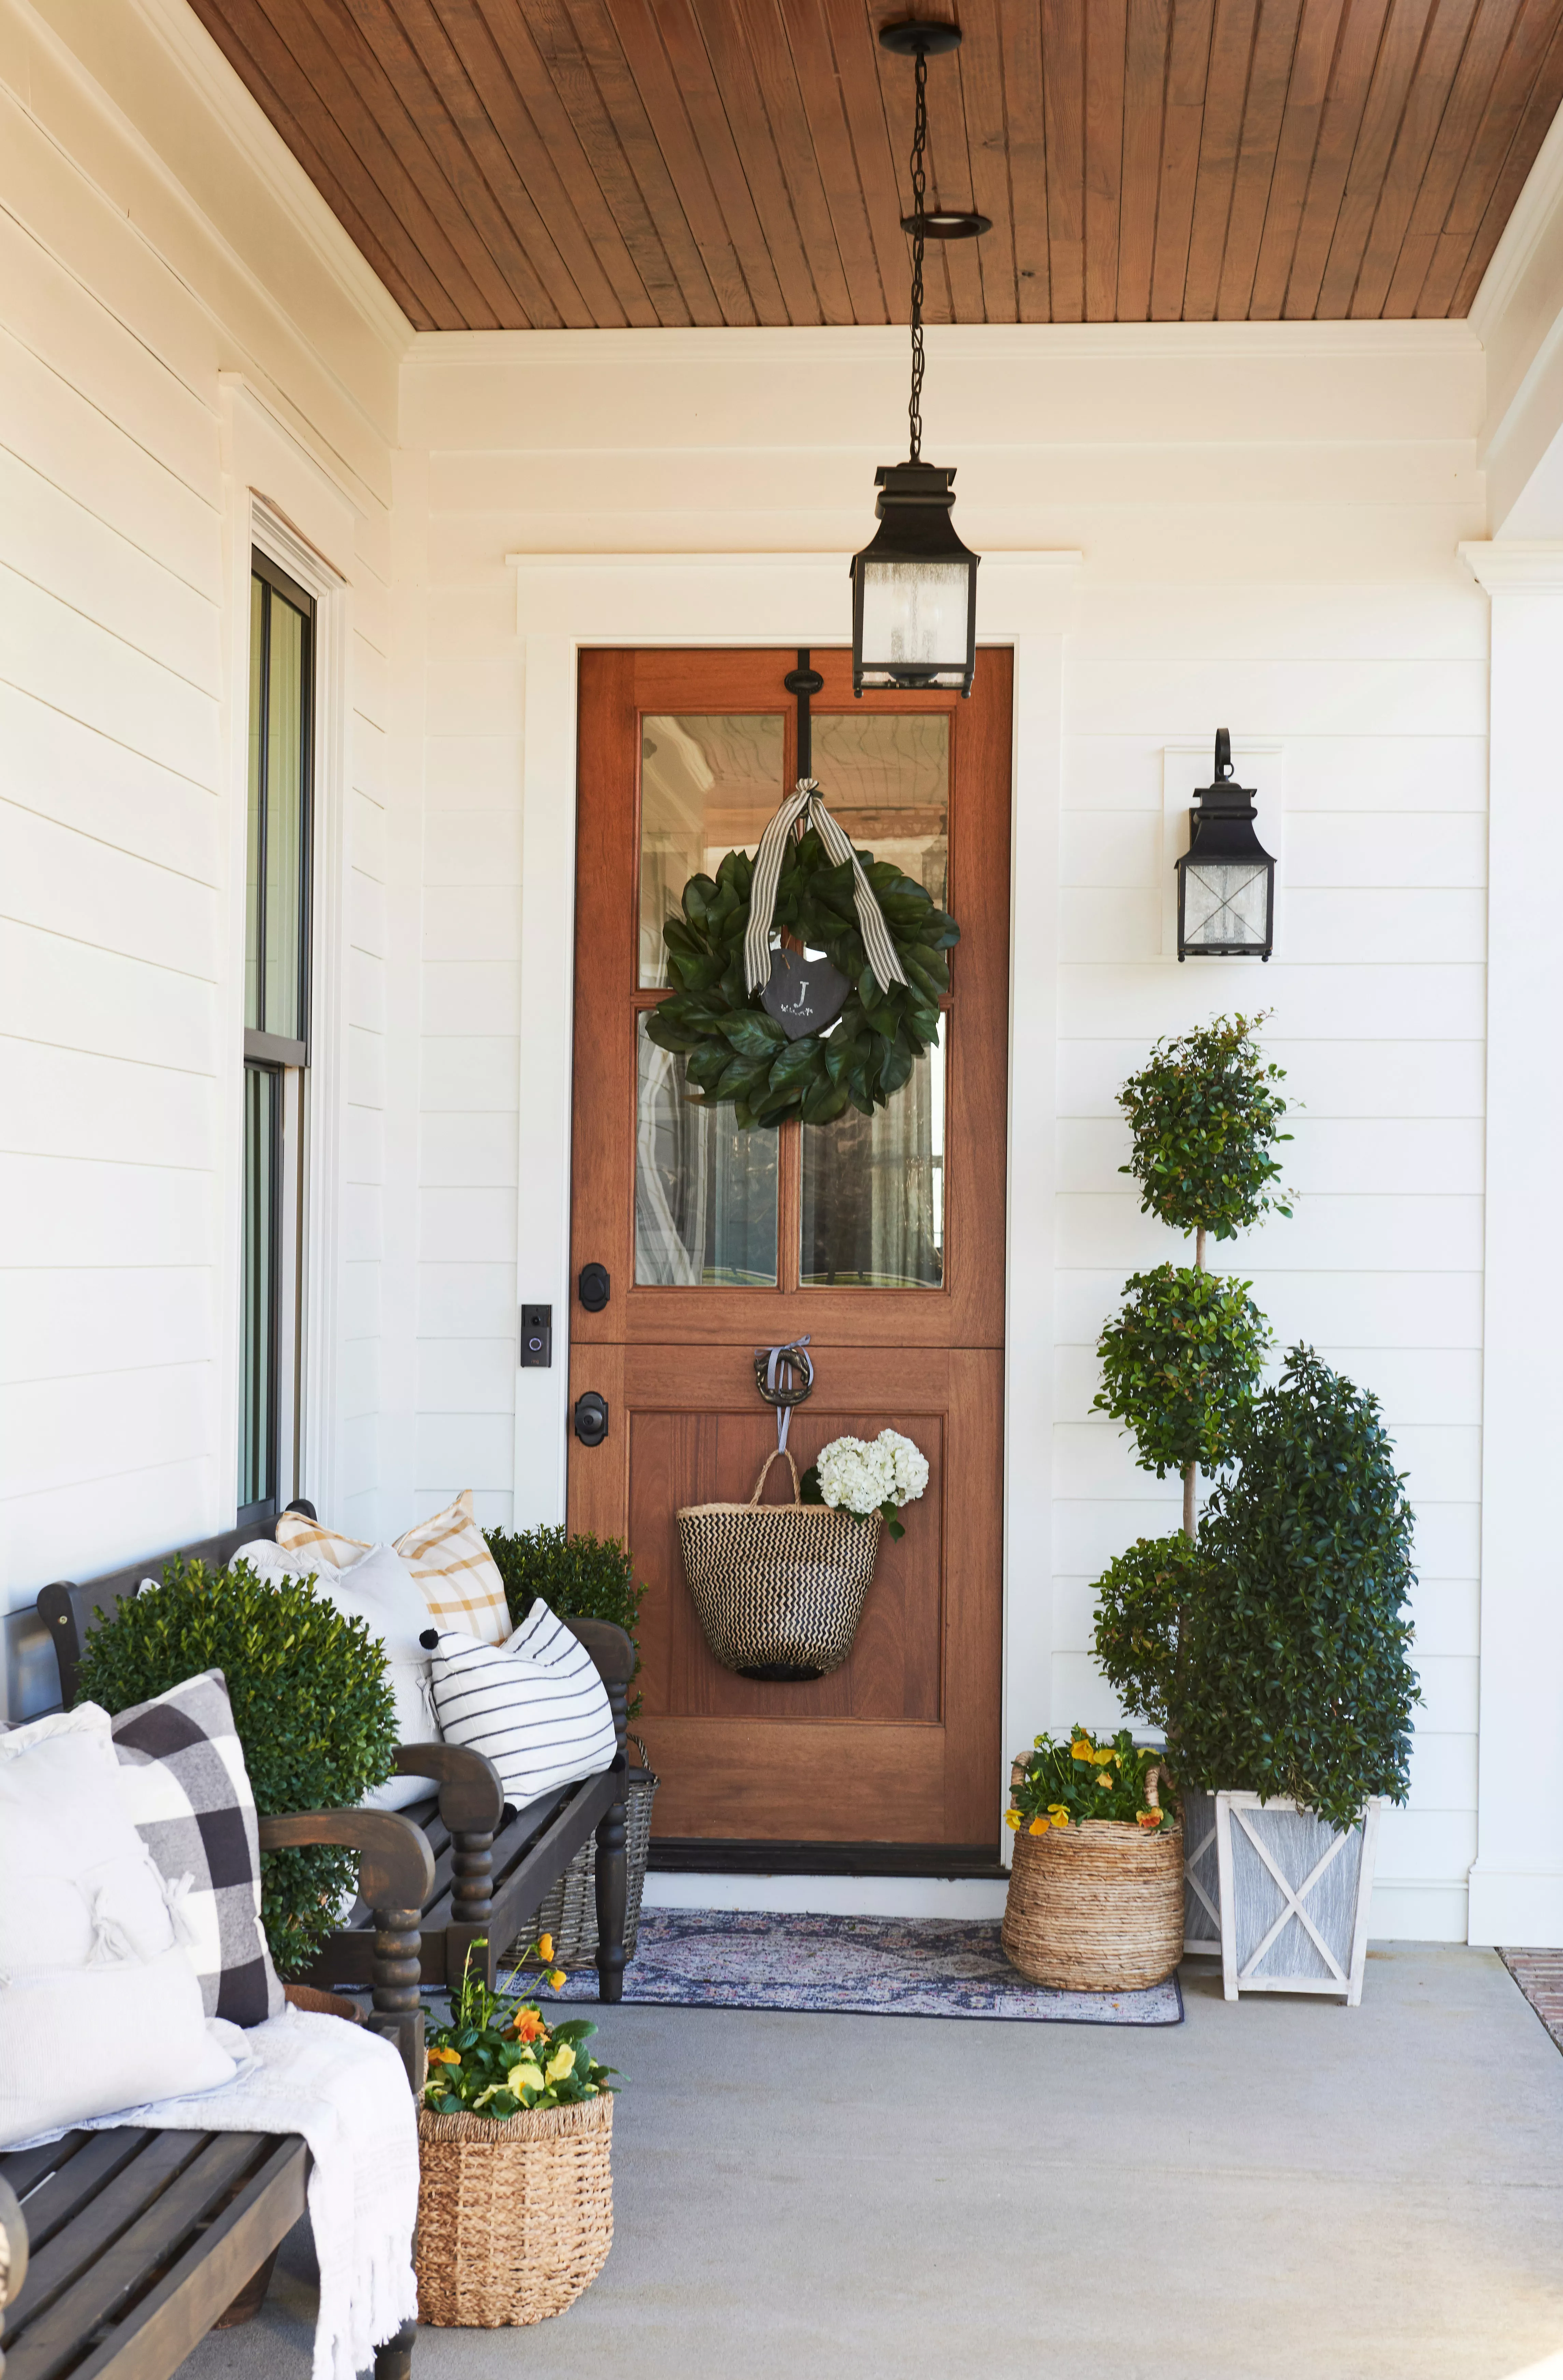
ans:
x=1294 y=1896
x=1201 y=1881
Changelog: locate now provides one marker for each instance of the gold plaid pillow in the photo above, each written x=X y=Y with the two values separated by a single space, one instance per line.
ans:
x=453 y=1568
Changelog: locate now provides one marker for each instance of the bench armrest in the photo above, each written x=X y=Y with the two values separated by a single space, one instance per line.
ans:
x=395 y=1877
x=471 y=1796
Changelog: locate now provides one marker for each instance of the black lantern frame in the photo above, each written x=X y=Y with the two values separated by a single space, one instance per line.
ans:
x=916 y=565
x=1226 y=862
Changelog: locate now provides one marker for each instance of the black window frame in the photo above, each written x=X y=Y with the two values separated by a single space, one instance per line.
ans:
x=277 y=1049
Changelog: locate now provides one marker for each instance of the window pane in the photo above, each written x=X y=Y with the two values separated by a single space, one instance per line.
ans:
x=707 y=786
x=886 y=777
x=259 y=591
x=873 y=1190
x=704 y=1193
x=257 y=1387
x=287 y=782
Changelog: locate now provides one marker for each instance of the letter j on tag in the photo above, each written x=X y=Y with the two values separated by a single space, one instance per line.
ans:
x=804 y=995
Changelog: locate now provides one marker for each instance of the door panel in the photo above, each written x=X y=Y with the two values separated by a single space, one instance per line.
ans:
x=883 y=1238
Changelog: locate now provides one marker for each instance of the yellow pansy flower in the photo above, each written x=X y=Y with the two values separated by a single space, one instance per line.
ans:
x=1012 y=1818
x=1100 y=1757
x=1058 y=1814
x=1038 y=1826
x=559 y=1979
x=545 y=1948
x=526 y=2075
x=1080 y=1750
x=561 y=2063
x=443 y=2058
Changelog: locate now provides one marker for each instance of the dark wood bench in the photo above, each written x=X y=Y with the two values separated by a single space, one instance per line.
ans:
x=492 y=1866
x=122 y=2248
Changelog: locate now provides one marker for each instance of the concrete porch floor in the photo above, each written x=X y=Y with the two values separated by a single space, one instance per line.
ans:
x=1284 y=2189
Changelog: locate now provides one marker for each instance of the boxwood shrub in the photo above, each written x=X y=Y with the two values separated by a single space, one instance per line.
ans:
x=582 y=1577
x=312 y=1707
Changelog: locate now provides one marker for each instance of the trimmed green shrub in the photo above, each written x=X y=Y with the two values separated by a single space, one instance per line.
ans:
x=582 y=1577
x=1179 y=1362
x=1140 y=1598
x=312 y=1707
x=1292 y=1676
x=1205 y=1116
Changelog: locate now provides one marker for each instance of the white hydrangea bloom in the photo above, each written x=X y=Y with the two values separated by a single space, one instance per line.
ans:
x=910 y=1466
x=859 y=1475
x=855 y=1476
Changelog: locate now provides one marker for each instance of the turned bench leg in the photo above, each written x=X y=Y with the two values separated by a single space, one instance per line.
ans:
x=398 y=2011
x=612 y=1884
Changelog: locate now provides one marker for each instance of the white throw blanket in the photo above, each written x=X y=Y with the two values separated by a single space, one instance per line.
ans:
x=347 y=2090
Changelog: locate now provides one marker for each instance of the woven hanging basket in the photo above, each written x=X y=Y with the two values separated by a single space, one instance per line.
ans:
x=779 y=1588
x=1096 y=1907
x=570 y=1912
x=515 y=2216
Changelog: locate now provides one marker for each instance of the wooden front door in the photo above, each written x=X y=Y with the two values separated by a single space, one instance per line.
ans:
x=882 y=1239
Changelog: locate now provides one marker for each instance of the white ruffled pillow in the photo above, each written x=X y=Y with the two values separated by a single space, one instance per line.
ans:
x=380 y=1591
x=100 y=2005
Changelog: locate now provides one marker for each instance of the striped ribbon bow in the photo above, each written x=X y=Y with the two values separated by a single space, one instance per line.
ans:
x=806 y=802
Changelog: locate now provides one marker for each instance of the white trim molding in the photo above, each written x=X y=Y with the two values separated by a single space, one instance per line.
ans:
x=1517 y=1881
x=567 y=602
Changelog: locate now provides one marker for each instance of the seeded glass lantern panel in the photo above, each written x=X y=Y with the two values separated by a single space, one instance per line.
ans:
x=1226 y=878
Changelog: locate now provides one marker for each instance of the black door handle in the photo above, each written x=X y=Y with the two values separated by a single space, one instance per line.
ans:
x=594 y=1288
x=591 y=1418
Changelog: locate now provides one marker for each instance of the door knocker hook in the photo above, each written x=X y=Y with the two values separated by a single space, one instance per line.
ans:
x=784 y=1377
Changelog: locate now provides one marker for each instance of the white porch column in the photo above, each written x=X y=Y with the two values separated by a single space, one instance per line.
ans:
x=1516 y=1882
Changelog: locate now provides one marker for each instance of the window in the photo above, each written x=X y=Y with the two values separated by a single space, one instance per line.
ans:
x=276 y=1033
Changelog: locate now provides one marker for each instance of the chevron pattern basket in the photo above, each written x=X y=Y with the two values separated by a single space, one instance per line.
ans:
x=779 y=1588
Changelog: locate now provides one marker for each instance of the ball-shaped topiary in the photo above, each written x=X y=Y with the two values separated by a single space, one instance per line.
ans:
x=1205 y=1115
x=1139 y=1600
x=1179 y=1362
x=313 y=1710
x=582 y=1577
x=1292 y=1676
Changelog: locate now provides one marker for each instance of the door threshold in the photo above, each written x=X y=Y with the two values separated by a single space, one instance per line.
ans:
x=712 y=1855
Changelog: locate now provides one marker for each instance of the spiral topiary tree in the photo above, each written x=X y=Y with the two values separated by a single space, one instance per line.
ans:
x=1183 y=1355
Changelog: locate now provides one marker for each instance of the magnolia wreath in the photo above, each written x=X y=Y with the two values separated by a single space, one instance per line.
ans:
x=874 y=1008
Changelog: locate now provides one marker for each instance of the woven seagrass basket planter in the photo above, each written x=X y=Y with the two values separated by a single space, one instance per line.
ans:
x=514 y=2218
x=570 y=1912
x=1095 y=1908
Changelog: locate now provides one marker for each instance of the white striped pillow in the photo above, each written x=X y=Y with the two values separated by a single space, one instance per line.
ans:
x=543 y=1723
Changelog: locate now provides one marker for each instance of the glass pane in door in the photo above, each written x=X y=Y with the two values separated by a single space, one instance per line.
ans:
x=886 y=777
x=873 y=1191
x=707 y=786
x=704 y=1193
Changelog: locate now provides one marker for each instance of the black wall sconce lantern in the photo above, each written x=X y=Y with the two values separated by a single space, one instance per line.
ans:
x=1226 y=878
x=914 y=590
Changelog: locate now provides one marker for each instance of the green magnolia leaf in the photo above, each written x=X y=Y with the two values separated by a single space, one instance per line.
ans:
x=753 y=1034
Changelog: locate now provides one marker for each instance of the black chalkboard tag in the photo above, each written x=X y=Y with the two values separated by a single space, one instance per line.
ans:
x=804 y=995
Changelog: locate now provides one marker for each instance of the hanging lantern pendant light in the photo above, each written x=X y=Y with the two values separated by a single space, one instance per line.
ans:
x=913 y=588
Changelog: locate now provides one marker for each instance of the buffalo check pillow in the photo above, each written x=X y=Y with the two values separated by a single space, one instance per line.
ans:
x=183 y=1779
x=446 y=1554
x=543 y=1721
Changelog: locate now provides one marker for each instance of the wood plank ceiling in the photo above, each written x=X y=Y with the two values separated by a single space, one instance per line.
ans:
x=547 y=164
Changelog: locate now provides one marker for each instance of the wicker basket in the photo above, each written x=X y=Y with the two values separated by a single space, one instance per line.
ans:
x=778 y=1588
x=570 y=1912
x=514 y=2217
x=1096 y=1907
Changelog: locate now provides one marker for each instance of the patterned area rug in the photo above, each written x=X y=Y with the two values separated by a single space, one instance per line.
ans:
x=854 y=1966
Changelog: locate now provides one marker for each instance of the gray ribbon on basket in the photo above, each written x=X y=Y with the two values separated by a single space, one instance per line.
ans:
x=777 y=1357
x=805 y=801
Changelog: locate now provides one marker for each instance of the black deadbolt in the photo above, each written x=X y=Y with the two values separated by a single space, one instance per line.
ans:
x=594 y=1288
x=591 y=1418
